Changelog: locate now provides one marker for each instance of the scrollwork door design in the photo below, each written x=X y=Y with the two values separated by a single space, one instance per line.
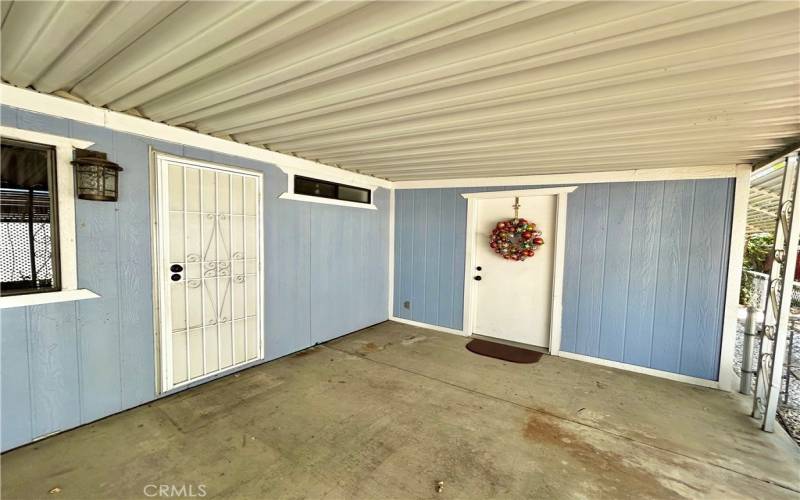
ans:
x=210 y=228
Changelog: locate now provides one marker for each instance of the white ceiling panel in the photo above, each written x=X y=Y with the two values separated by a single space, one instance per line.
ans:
x=435 y=90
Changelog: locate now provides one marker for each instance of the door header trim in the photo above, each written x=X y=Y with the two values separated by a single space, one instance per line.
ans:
x=521 y=192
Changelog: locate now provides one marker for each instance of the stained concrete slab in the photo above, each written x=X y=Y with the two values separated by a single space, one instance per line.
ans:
x=705 y=423
x=389 y=411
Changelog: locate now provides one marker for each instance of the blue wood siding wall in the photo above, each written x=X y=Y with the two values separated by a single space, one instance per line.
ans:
x=69 y=363
x=645 y=268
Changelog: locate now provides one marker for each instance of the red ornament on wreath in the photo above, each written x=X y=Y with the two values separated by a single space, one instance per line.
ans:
x=515 y=239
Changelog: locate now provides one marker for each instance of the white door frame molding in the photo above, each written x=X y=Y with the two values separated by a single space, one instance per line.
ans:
x=728 y=379
x=470 y=306
x=160 y=274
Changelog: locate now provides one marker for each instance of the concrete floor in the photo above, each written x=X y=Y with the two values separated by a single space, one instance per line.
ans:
x=390 y=410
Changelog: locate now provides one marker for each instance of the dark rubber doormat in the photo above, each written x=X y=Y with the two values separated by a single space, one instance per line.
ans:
x=502 y=351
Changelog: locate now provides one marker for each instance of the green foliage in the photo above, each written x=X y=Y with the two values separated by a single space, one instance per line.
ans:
x=756 y=252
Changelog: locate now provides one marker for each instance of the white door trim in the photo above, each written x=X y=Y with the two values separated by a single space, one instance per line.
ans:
x=160 y=281
x=521 y=192
x=558 y=255
x=728 y=379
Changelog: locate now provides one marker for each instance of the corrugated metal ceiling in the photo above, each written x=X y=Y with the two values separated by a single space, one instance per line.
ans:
x=429 y=90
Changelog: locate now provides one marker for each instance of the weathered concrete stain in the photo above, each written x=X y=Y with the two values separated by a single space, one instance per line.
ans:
x=370 y=347
x=616 y=475
x=413 y=339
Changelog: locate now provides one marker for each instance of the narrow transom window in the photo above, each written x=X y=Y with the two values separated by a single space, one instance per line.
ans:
x=327 y=189
x=28 y=219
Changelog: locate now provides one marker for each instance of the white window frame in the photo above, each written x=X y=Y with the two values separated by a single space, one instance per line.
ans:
x=291 y=195
x=65 y=189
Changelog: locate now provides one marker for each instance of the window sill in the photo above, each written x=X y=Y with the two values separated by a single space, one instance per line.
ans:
x=33 y=299
x=326 y=201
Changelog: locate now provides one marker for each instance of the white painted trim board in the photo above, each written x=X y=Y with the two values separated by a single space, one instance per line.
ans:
x=638 y=175
x=58 y=106
x=728 y=380
x=35 y=299
x=641 y=369
x=519 y=192
x=326 y=201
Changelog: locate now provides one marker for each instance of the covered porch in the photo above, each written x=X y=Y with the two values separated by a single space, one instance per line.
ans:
x=391 y=410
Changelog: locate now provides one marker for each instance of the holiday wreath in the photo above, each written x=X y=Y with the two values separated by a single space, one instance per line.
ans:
x=515 y=239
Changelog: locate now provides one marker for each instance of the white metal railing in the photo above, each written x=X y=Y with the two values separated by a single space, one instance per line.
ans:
x=758 y=289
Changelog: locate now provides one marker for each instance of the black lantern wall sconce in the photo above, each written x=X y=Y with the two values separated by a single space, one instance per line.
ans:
x=96 y=177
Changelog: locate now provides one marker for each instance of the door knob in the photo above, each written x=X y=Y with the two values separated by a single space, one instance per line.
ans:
x=479 y=268
x=477 y=278
x=176 y=268
x=175 y=277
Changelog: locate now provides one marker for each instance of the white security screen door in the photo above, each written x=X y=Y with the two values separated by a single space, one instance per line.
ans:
x=209 y=230
x=513 y=299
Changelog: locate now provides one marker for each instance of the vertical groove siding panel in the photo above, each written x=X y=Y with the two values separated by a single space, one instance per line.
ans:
x=399 y=232
x=287 y=261
x=15 y=396
x=199 y=154
x=350 y=240
x=42 y=123
x=676 y=219
x=572 y=269
x=364 y=267
x=342 y=273
x=432 y=255
x=643 y=273
x=55 y=393
x=325 y=272
x=419 y=267
x=407 y=250
x=380 y=292
x=99 y=319
x=724 y=256
x=446 y=252
x=698 y=357
x=592 y=263
x=617 y=269
x=8 y=116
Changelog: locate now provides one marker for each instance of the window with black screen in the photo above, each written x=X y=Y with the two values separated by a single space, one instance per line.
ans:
x=28 y=219
x=327 y=189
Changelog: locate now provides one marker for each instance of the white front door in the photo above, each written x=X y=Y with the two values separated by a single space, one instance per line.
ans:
x=513 y=300
x=209 y=230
